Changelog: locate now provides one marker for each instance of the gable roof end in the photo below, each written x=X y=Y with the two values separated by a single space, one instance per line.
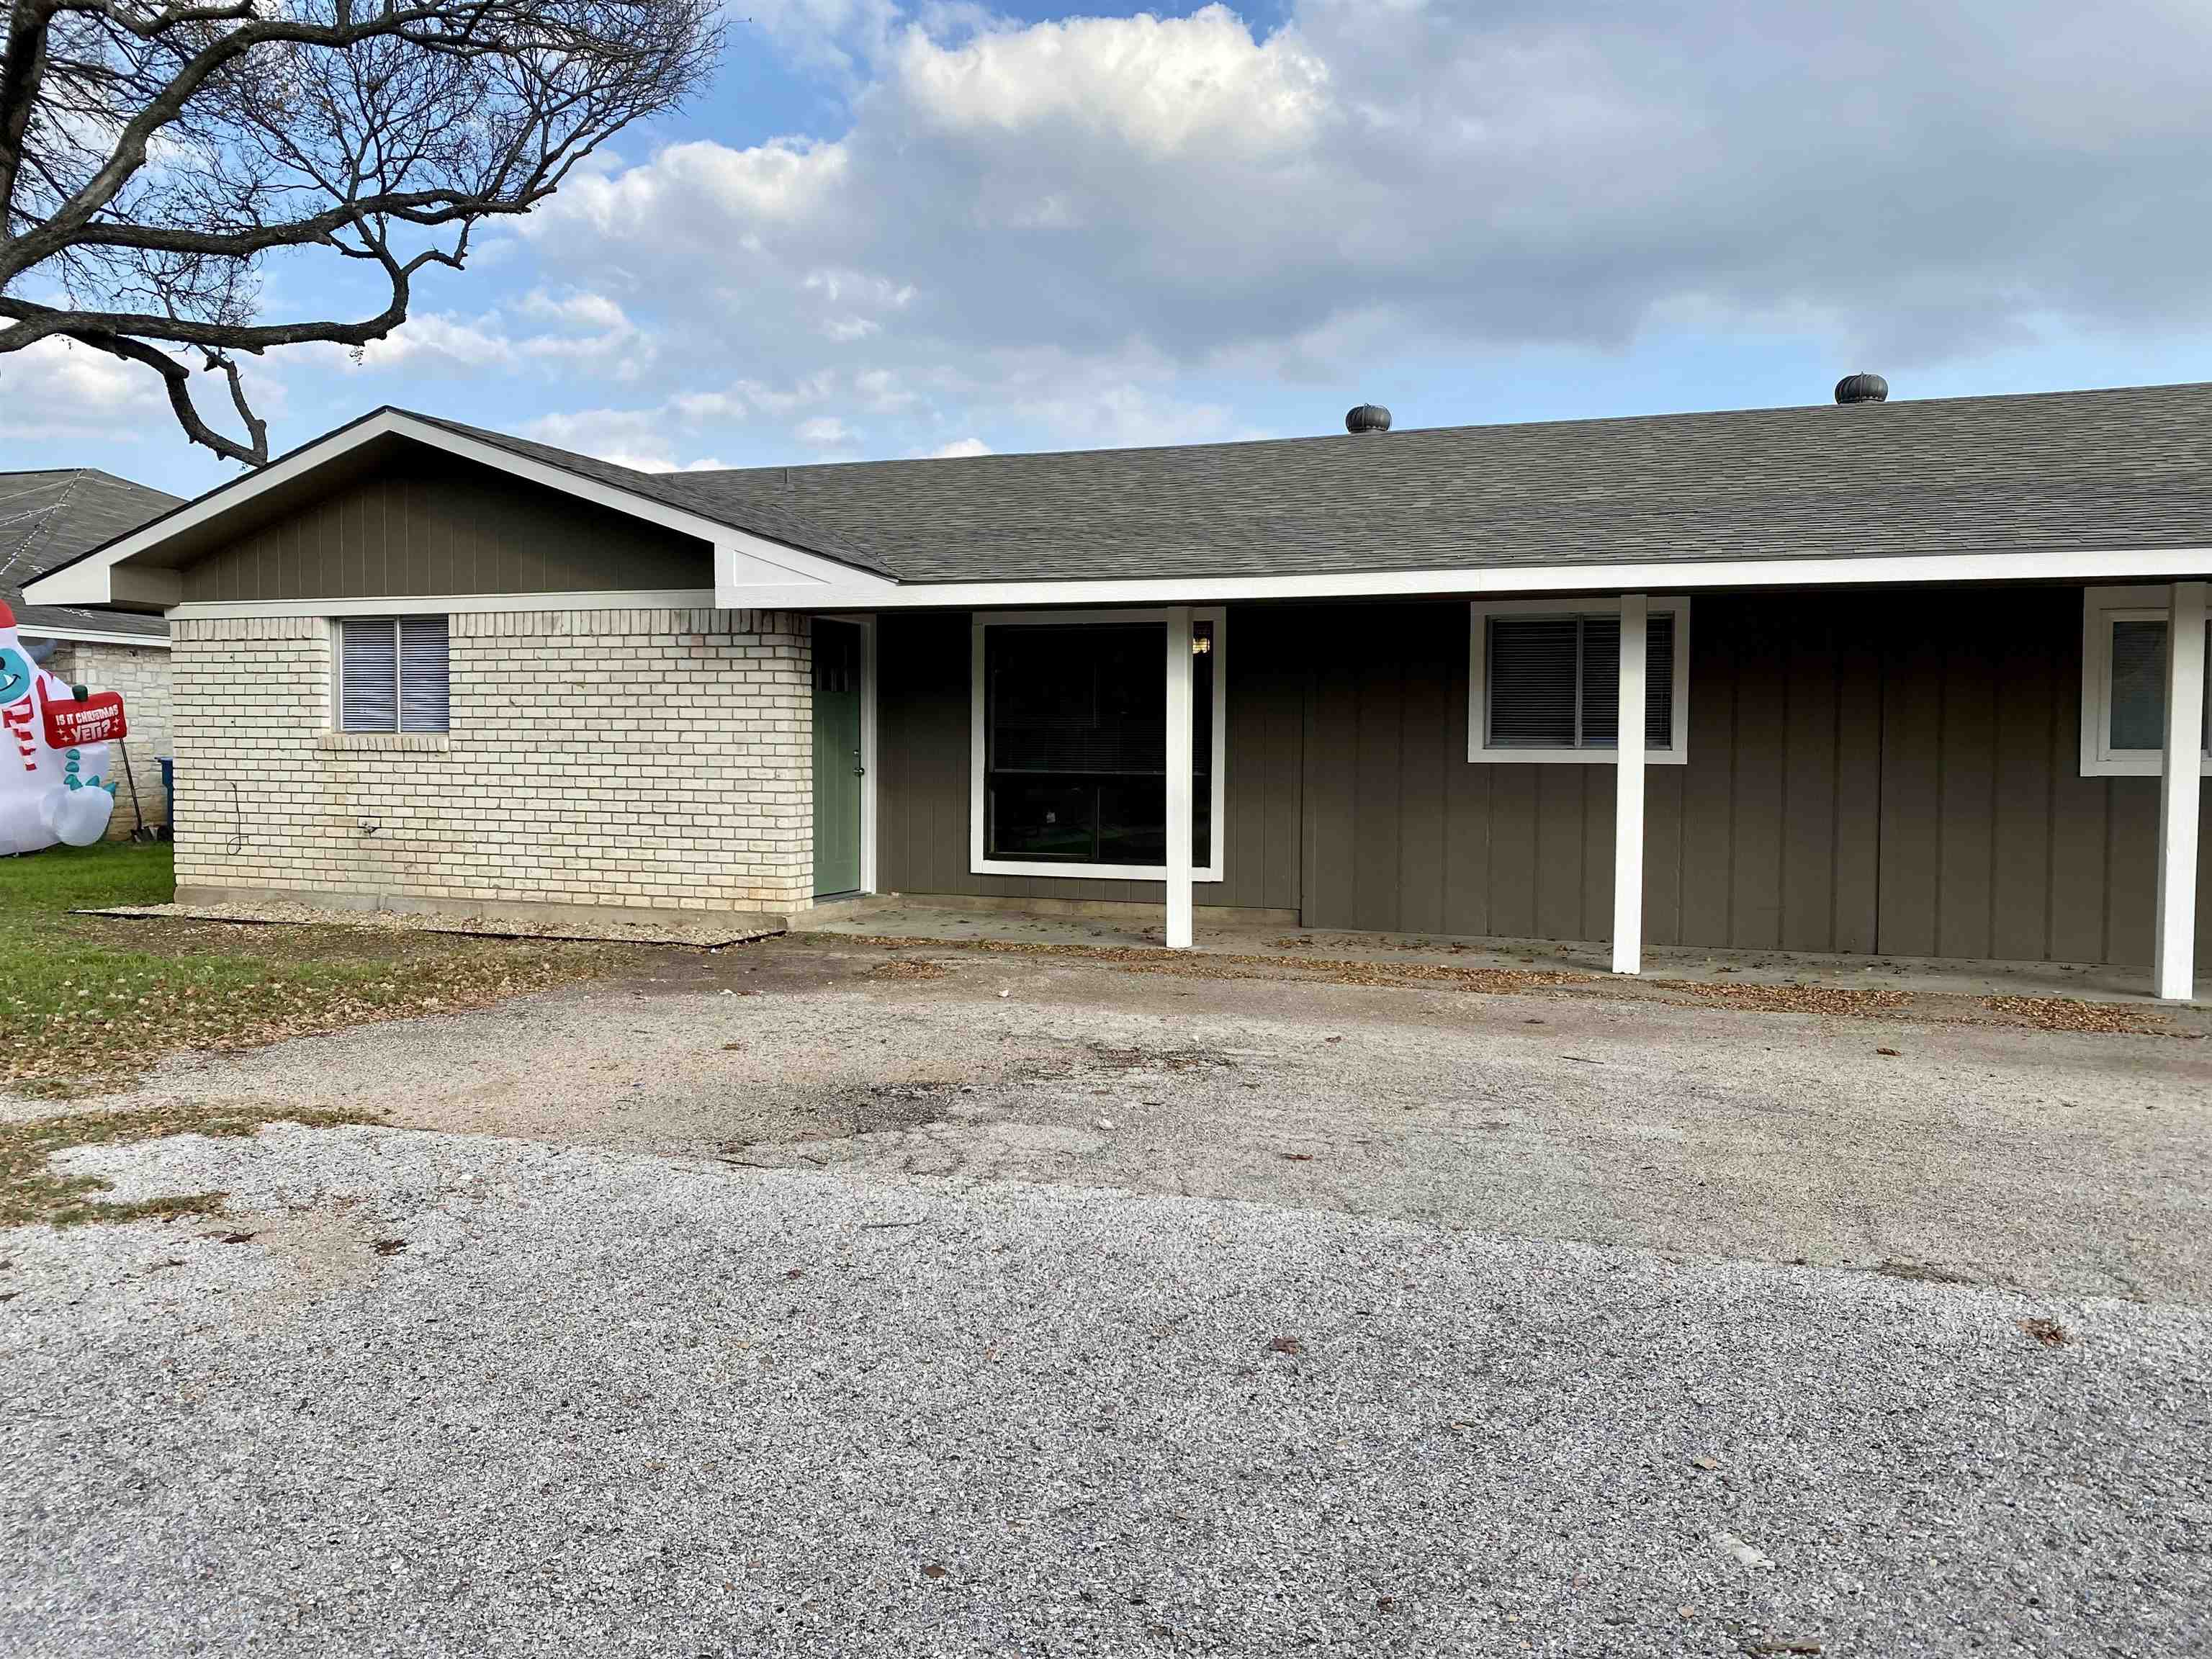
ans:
x=138 y=569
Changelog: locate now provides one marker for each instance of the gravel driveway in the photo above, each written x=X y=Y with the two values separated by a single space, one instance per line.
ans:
x=966 y=1373
x=615 y=1403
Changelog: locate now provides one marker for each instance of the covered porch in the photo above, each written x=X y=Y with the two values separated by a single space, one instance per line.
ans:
x=1921 y=776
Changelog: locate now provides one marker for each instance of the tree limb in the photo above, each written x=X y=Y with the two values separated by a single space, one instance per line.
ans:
x=154 y=154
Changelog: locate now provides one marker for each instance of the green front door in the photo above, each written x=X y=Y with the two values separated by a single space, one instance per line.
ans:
x=836 y=758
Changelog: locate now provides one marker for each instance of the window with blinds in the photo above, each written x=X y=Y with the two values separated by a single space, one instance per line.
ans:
x=2135 y=703
x=1553 y=682
x=393 y=674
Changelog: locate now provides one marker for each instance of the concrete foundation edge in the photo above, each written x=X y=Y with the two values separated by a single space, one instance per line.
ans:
x=332 y=898
x=826 y=911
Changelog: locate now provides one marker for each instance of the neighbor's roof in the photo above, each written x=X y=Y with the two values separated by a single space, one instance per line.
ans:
x=2046 y=471
x=48 y=519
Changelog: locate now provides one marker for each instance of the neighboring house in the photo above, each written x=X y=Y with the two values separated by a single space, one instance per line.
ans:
x=1902 y=668
x=51 y=519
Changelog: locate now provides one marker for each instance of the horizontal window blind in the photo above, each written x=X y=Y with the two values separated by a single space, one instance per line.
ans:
x=393 y=674
x=424 y=690
x=1555 y=682
x=1534 y=682
x=368 y=677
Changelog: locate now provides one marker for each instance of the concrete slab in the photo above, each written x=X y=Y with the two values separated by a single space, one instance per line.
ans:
x=695 y=930
x=1236 y=934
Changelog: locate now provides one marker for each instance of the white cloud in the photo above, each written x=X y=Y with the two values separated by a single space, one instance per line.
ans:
x=577 y=308
x=60 y=388
x=1133 y=199
x=959 y=448
x=644 y=439
x=1089 y=231
x=436 y=338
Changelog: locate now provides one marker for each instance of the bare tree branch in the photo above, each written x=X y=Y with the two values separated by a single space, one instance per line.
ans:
x=155 y=153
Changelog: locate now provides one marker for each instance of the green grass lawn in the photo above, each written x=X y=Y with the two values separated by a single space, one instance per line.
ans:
x=90 y=1002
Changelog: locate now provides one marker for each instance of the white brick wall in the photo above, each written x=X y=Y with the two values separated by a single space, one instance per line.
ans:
x=656 y=758
x=140 y=673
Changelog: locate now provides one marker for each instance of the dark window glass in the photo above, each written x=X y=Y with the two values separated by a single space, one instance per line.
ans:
x=1555 y=682
x=1075 y=743
x=2137 y=704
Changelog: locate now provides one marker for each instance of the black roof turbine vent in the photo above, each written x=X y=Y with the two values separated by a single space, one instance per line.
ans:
x=1368 y=417
x=1861 y=389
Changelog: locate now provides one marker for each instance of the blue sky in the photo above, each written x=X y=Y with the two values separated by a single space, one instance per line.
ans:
x=896 y=230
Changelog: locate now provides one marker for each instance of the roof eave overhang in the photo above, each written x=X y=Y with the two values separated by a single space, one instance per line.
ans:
x=93 y=636
x=130 y=572
x=2082 y=564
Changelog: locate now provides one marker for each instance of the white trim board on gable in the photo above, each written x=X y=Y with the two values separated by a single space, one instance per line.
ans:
x=786 y=577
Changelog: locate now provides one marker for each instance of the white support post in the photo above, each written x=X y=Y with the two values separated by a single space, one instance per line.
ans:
x=1179 y=779
x=1628 y=799
x=2181 y=784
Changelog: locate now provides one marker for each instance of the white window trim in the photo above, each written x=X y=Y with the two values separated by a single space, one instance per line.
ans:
x=978 y=864
x=398 y=684
x=1479 y=749
x=2100 y=608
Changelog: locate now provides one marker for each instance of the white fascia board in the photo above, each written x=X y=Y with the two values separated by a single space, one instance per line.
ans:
x=2113 y=564
x=453 y=604
x=89 y=582
x=88 y=636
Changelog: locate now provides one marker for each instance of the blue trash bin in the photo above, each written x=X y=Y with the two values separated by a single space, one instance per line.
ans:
x=169 y=794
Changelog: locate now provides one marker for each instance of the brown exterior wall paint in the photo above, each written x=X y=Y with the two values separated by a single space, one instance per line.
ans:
x=921 y=763
x=1892 y=772
x=431 y=524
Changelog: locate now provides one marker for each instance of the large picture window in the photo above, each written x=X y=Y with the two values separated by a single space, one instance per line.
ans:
x=1545 y=681
x=393 y=674
x=1071 y=744
x=2123 y=684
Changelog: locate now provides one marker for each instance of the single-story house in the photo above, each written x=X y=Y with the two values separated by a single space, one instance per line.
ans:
x=1920 y=678
x=50 y=519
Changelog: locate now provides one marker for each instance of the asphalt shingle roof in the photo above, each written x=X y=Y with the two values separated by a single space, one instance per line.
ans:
x=48 y=519
x=2126 y=468
x=2049 y=472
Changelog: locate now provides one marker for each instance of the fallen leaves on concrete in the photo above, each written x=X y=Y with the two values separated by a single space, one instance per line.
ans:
x=1852 y=1002
x=2050 y=1013
x=910 y=967
x=1224 y=964
x=130 y=1009
x=2065 y=1014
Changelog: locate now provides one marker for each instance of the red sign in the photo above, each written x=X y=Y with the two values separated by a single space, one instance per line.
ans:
x=70 y=724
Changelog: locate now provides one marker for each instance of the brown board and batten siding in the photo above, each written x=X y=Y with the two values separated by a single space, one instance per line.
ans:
x=430 y=524
x=923 y=695
x=1893 y=772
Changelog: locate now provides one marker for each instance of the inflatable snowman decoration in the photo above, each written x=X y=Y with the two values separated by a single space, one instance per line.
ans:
x=53 y=754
